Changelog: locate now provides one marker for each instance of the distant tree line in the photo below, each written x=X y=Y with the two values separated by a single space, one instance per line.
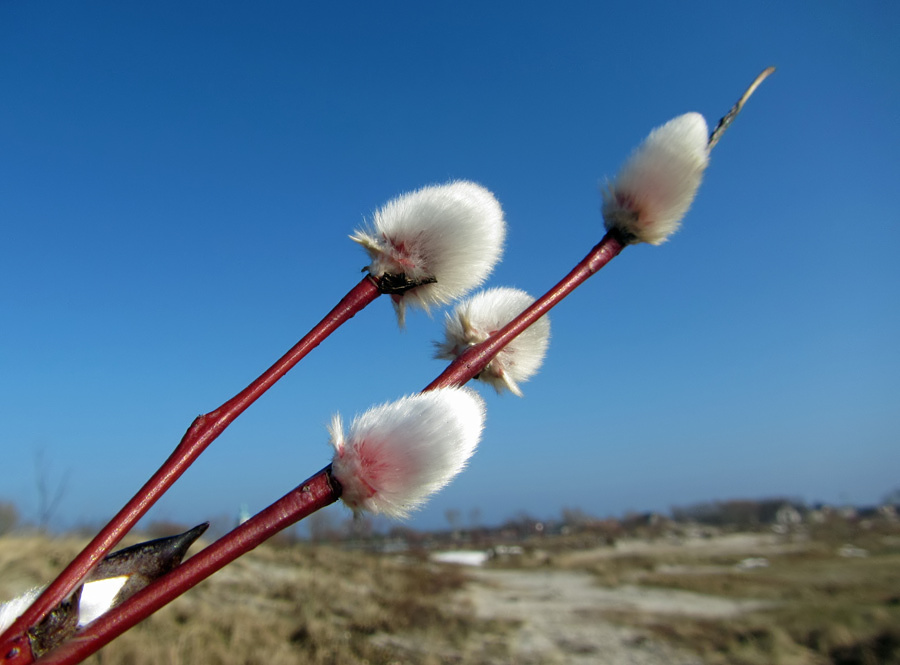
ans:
x=327 y=526
x=9 y=517
x=740 y=513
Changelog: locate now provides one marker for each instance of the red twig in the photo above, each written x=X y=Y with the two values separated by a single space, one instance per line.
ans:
x=317 y=492
x=14 y=645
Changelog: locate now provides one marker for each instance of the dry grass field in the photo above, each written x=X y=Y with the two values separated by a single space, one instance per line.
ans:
x=826 y=596
x=280 y=605
x=666 y=601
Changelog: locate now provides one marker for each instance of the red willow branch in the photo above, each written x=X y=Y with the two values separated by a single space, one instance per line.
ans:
x=393 y=458
x=317 y=492
x=428 y=246
x=202 y=432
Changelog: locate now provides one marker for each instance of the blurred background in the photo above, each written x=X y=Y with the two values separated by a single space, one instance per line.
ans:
x=178 y=181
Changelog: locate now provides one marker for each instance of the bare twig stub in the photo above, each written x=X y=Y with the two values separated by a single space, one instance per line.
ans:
x=729 y=117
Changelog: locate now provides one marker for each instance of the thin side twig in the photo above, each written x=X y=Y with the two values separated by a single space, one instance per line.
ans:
x=14 y=645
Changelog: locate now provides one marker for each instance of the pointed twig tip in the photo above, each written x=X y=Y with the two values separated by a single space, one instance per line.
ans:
x=729 y=117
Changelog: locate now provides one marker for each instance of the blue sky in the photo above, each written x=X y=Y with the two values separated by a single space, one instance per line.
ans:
x=178 y=181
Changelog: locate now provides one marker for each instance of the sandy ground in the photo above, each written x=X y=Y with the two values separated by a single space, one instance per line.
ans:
x=561 y=616
x=745 y=544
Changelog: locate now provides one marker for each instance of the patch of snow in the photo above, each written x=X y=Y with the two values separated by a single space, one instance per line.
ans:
x=752 y=562
x=461 y=557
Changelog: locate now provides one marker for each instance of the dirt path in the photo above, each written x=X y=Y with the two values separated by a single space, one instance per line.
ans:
x=561 y=615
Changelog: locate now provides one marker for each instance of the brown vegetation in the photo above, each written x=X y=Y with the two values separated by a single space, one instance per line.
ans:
x=300 y=604
x=814 y=594
x=825 y=602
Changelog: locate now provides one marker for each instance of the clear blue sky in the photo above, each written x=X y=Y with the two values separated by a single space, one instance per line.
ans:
x=178 y=181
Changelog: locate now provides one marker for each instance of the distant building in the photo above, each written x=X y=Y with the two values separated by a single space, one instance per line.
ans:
x=788 y=515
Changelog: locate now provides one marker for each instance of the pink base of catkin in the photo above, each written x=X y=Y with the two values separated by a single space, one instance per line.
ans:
x=14 y=645
x=473 y=360
x=316 y=493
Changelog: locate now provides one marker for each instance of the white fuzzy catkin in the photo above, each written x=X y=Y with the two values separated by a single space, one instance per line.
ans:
x=396 y=455
x=450 y=233
x=657 y=184
x=96 y=598
x=11 y=610
x=477 y=318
